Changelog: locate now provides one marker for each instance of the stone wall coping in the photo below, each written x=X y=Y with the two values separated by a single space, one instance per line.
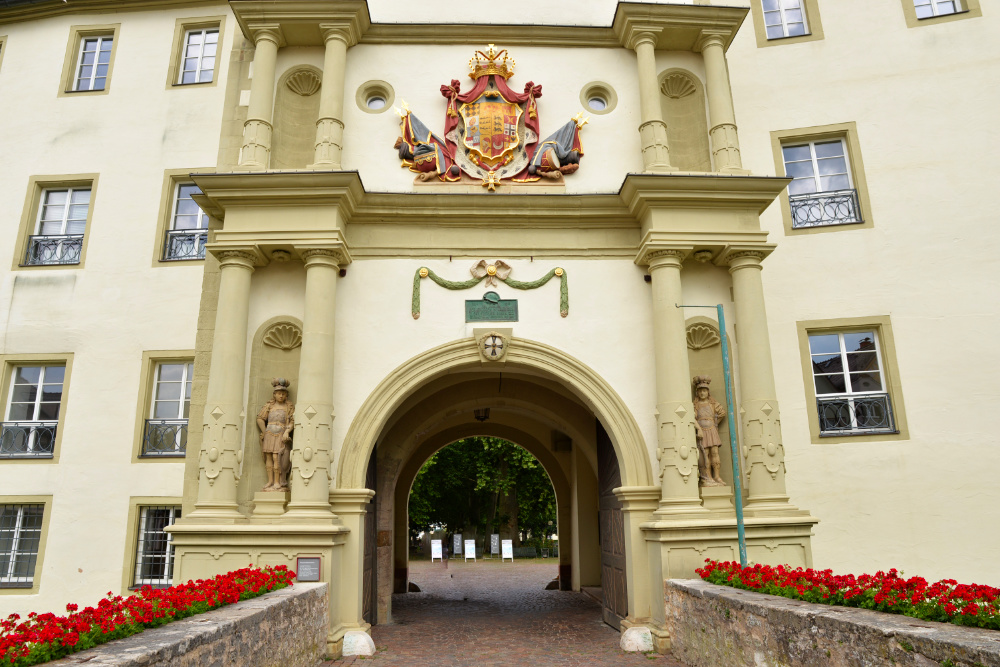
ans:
x=929 y=638
x=163 y=645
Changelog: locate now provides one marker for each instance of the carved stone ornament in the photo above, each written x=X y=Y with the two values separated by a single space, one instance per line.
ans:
x=491 y=131
x=484 y=269
x=304 y=82
x=677 y=86
x=283 y=336
x=700 y=336
x=493 y=346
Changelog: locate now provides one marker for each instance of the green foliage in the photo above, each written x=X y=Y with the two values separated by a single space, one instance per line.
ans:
x=485 y=484
x=907 y=646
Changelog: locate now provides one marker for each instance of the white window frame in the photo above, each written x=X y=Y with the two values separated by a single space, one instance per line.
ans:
x=33 y=431
x=201 y=56
x=66 y=209
x=935 y=11
x=93 y=73
x=784 y=21
x=7 y=578
x=184 y=381
x=849 y=392
x=38 y=396
x=141 y=554
x=202 y=216
x=815 y=162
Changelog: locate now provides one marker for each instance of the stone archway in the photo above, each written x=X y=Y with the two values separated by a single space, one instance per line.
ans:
x=427 y=403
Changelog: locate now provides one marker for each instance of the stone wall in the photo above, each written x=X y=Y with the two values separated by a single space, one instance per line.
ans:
x=718 y=626
x=287 y=627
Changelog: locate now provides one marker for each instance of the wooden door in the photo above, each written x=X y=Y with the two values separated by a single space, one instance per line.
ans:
x=369 y=585
x=612 y=533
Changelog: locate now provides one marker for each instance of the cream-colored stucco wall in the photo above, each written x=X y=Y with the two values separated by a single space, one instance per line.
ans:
x=118 y=305
x=924 y=105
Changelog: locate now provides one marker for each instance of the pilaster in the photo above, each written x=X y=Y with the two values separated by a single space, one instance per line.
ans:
x=350 y=505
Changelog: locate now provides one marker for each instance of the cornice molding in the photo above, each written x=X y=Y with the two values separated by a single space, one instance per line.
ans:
x=679 y=26
x=19 y=13
x=306 y=22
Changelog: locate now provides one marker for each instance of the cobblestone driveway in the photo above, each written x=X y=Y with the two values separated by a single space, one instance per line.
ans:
x=488 y=613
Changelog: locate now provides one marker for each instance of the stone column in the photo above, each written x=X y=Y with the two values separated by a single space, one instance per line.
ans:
x=725 y=142
x=652 y=131
x=310 y=474
x=221 y=452
x=762 y=449
x=677 y=447
x=329 y=125
x=256 y=150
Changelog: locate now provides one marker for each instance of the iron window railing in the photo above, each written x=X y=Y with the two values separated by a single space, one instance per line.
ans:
x=20 y=535
x=184 y=244
x=27 y=440
x=817 y=209
x=855 y=415
x=165 y=437
x=54 y=249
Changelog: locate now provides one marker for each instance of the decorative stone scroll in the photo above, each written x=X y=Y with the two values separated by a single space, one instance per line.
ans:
x=700 y=336
x=491 y=272
x=284 y=336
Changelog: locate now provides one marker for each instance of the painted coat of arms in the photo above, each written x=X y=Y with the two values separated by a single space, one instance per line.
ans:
x=491 y=132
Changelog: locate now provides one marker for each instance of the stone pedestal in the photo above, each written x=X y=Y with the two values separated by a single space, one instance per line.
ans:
x=269 y=504
x=718 y=498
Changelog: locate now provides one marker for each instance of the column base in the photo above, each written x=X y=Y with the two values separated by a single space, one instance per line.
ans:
x=269 y=504
x=324 y=166
x=310 y=511
x=216 y=512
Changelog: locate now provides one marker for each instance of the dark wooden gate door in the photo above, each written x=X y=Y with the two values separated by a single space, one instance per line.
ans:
x=612 y=533
x=368 y=583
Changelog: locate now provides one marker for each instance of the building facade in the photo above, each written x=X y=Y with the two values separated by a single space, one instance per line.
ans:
x=202 y=196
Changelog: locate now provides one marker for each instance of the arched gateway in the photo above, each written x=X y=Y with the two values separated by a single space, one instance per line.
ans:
x=547 y=401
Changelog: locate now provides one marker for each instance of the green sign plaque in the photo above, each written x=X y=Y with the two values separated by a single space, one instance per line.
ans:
x=491 y=308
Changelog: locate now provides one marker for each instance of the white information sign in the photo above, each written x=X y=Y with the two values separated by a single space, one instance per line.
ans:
x=508 y=550
x=457 y=551
x=495 y=544
x=470 y=549
x=436 y=550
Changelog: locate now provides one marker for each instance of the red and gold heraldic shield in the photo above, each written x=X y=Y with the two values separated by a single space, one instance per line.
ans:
x=491 y=127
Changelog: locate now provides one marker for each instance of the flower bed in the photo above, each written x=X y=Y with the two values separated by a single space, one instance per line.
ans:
x=947 y=600
x=44 y=637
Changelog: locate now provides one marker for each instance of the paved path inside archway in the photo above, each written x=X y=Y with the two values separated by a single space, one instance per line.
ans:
x=488 y=613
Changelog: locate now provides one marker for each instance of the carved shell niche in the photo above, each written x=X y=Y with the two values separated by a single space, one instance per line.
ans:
x=700 y=336
x=304 y=82
x=677 y=86
x=283 y=336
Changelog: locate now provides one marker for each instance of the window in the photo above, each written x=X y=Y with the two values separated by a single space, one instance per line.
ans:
x=821 y=191
x=93 y=63
x=828 y=191
x=167 y=425
x=194 y=54
x=850 y=392
x=20 y=541
x=852 y=380
x=198 y=59
x=29 y=430
x=3 y=47
x=90 y=57
x=188 y=226
x=154 y=550
x=62 y=220
x=786 y=21
x=784 y=18
x=928 y=8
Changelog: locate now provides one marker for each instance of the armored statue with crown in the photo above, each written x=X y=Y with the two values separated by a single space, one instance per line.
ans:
x=491 y=132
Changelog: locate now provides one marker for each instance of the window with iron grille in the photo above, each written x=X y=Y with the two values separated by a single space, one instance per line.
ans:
x=188 y=231
x=154 y=551
x=93 y=62
x=29 y=430
x=822 y=190
x=784 y=18
x=20 y=535
x=198 y=57
x=167 y=426
x=59 y=229
x=929 y=8
x=851 y=394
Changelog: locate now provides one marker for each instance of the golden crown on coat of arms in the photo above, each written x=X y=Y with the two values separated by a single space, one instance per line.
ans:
x=483 y=64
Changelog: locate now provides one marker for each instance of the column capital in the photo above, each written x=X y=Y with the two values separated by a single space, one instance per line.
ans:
x=656 y=256
x=708 y=37
x=344 y=32
x=738 y=257
x=244 y=258
x=638 y=498
x=350 y=501
x=640 y=34
x=314 y=255
x=270 y=32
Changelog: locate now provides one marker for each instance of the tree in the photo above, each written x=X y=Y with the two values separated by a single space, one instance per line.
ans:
x=486 y=485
